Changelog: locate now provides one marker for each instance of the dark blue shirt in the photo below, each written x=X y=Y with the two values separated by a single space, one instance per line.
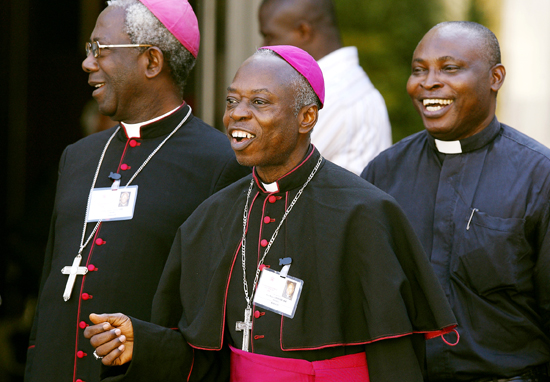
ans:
x=482 y=216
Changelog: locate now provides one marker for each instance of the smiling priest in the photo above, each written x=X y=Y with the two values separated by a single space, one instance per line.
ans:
x=123 y=193
x=477 y=192
x=301 y=272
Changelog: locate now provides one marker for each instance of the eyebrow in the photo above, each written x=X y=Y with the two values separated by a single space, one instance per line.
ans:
x=442 y=58
x=262 y=90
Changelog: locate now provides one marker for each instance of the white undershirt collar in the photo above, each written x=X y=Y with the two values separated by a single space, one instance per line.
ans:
x=448 y=147
x=133 y=130
x=271 y=187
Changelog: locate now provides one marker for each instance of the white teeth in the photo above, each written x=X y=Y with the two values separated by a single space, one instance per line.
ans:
x=434 y=101
x=241 y=134
x=99 y=85
x=434 y=108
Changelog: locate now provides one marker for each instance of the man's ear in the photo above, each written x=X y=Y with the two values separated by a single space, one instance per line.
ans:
x=305 y=31
x=498 y=74
x=154 y=61
x=308 y=118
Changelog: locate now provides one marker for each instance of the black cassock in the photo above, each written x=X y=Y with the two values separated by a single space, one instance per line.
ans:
x=125 y=258
x=366 y=280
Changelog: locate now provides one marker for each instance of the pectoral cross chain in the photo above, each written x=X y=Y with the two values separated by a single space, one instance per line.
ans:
x=72 y=271
x=245 y=326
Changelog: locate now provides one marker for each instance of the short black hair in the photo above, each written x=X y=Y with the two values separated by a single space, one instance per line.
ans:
x=320 y=13
x=488 y=38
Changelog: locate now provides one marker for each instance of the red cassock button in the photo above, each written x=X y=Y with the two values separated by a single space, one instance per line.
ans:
x=133 y=143
x=99 y=241
x=124 y=167
x=79 y=380
x=91 y=268
x=257 y=314
x=86 y=296
x=264 y=243
x=82 y=325
x=81 y=354
x=267 y=220
x=272 y=199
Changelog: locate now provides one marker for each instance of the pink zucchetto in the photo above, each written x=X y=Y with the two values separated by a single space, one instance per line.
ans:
x=305 y=65
x=180 y=19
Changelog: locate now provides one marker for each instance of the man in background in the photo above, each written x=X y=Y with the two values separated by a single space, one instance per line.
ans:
x=354 y=127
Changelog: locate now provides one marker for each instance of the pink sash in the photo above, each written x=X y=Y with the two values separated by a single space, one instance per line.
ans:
x=250 y=367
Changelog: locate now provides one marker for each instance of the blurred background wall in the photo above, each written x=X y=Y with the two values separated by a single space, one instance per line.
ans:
x=46 y=103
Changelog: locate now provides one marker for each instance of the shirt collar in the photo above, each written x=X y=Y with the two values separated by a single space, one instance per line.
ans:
x=465 y=145
x=294 y=178
x=138 y=130
x=347 y=54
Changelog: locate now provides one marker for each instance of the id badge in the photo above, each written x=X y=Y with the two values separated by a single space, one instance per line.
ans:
x=277 y=293
x=108 y=204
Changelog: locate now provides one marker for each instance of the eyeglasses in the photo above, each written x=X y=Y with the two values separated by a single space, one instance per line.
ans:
x=95 y=47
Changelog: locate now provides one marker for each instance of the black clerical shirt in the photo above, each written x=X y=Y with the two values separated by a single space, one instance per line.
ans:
x=482 y=216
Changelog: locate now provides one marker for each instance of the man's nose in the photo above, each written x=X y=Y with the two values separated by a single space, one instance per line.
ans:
x=240 y=111
x=432 y=80
x=90 y=63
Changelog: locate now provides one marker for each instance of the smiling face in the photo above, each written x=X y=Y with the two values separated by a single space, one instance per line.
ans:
x=115 y=74
x=260 y=120
x=452 y=85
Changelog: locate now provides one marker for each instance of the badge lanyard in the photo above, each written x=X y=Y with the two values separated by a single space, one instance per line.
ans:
x=83 y=244
x=249 y=298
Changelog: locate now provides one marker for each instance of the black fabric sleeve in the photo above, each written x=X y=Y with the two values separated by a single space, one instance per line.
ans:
x=46 y=268
x=397 y=359
x=163 y=355
x=160 y=354
x=368 y=173
x=45 y=271
x=231 y=172
x=542 y=268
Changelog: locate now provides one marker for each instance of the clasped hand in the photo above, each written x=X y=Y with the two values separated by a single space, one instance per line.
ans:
x=112 y=336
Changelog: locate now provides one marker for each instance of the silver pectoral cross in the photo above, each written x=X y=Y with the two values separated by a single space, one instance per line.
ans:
x=245 y=326
x=73 y=271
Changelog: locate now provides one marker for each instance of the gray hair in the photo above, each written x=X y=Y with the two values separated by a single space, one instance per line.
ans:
x=144 y=28
x=491 y=48
x=303 y=92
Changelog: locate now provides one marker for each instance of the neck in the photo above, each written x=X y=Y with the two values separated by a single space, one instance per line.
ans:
x=324 y=47
x=152 y=112
x=454 y=136
x=154 y=101
x=271 y=173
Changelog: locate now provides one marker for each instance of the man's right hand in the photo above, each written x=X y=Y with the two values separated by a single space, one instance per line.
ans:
x=113 y=338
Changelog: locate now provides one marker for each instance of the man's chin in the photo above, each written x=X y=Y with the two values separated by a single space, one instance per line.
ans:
x=245 y=161
x=438 y=131
x=109 y=113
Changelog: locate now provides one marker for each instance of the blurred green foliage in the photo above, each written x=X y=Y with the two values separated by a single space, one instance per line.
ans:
x=386 y=33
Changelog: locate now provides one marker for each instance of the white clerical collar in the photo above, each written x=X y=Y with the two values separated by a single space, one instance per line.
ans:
x=448 y=147
x=133 y=130
x=271 y=187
